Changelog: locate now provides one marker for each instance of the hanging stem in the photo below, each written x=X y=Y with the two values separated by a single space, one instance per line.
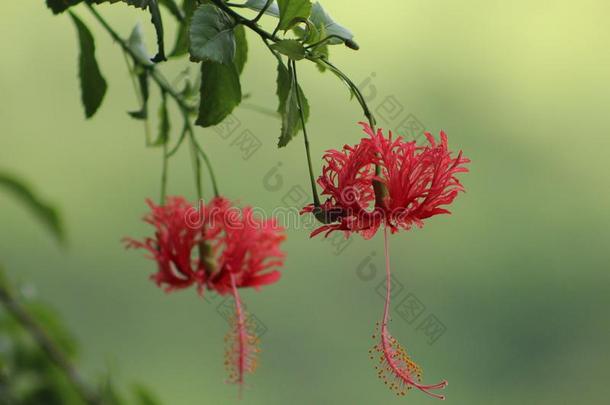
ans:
x=312 y=179
x=196 y=167
x=46 y=343
x=206 y=160
x=164 y=174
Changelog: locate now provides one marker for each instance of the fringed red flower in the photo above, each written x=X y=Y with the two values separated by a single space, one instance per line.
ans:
x=217 y=247
x=388 y=181
x=412 y=183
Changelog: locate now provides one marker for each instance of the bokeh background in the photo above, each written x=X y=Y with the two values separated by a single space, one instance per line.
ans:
x=518 y=275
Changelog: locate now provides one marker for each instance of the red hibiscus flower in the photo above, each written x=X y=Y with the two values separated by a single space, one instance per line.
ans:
x=414 y=183
x=217 y=247
x=388 y=181
x=206 y=246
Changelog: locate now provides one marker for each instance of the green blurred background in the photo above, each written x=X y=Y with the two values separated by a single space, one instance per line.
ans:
x=517 y=275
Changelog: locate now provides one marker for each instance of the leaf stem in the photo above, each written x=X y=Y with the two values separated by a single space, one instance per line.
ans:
x=361 y=100
x=46 y=343
x=312 y=179
x=206 y=159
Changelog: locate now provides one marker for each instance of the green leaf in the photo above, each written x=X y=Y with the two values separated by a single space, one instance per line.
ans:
x=257 y=5
x=141 y=56
x=40 y=208
x=321 y=19
x=288 y=107
x=157 y=21
x=220 y=92
x=291 y=48
x=59 y=6
x=135 y=42
x=211 y=35
x=241 y=48
x=291 y=11
x=283 y=85
x=92 y=83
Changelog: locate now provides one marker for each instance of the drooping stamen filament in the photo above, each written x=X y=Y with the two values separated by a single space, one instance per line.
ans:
x=395 y=367
x=241 y=343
